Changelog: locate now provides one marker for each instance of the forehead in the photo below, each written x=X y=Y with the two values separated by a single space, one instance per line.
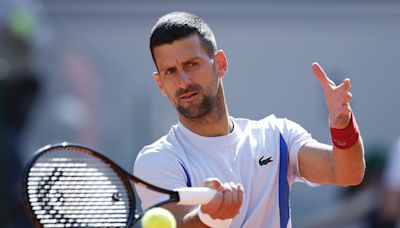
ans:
x=179 y=50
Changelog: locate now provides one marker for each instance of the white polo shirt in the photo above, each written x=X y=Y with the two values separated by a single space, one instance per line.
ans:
x=262 y=155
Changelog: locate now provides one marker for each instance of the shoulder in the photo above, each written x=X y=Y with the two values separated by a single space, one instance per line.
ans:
x=270 y=122
x=165 y=146
x=283 y=125
x=249 y=124
x=162 y=155
x=271 y=128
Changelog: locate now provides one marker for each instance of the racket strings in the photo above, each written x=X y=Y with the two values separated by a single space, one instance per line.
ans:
x=68 y=189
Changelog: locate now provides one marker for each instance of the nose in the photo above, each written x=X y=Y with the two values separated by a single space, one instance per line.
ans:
x=184 y=80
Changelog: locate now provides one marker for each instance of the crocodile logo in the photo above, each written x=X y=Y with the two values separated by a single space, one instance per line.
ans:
x=265 y=161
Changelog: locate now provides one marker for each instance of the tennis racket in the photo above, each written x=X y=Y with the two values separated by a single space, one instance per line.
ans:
x=68 y=185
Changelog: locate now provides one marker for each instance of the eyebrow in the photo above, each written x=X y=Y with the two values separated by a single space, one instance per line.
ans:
x=192 y=59
x=185 y=62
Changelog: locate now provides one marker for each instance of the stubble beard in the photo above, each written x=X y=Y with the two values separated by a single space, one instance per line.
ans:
x=207 y=104
x=195 y=111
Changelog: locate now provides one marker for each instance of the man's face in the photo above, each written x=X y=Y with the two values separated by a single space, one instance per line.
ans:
x=188 y=76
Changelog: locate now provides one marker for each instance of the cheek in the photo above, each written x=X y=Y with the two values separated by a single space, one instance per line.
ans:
x=205 y=76
x=214 y=79
x=169 y=90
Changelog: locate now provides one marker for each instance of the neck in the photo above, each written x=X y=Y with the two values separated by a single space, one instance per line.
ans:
x=214 y=123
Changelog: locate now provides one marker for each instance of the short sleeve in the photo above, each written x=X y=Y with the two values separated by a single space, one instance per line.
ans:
x=161 y=168
x=296 y=137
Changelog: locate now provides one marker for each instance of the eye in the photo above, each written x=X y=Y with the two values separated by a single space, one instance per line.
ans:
x=191 y=64
x=170 y=71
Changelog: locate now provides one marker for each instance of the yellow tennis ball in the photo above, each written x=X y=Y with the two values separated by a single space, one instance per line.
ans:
x=158 y=218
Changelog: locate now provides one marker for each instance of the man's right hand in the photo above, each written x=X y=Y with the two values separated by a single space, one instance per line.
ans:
x=227 y=202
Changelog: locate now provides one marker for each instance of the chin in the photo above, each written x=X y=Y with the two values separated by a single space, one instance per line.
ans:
x=193 y=113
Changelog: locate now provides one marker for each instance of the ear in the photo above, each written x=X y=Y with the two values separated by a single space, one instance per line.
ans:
x=157 y=78
x=221 y=63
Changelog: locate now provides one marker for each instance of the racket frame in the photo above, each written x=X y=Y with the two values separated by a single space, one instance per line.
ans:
x=125 y=177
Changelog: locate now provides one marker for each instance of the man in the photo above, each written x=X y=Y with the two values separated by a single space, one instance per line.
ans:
x=251 y=164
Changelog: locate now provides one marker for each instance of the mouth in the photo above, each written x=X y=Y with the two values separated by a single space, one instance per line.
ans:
x=189 y=96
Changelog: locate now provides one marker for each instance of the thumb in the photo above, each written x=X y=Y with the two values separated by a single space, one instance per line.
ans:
x=214 y=183
x=213 y=206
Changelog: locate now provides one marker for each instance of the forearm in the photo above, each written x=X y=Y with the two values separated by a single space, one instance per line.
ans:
x=349 y=164
x=348 y=154
x=323 y=164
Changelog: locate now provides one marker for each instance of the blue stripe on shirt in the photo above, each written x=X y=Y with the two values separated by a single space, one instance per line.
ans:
x=188 y=182
x=283 y=183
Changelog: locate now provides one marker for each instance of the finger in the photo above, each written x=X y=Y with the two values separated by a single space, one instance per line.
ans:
x=217 y=201
x=229 y=196
x=321 y=75
x=235 y=189
x=226 y=207
x=237 y=200
x=214 y=183
x=347 y=84
x=214 y=205
x=347 y=97
x=233 y=207
x=241 y=193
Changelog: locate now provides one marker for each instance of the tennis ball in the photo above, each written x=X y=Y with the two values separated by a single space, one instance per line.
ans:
x=158 y=218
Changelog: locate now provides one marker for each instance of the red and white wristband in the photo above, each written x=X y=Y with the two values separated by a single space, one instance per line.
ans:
x=346 y=137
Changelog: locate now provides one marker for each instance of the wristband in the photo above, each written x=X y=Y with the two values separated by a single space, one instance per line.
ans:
x=214 y=223
x=346 y=137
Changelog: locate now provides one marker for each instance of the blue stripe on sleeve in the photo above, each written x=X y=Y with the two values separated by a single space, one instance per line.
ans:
x=283 y=183
x=188 y=182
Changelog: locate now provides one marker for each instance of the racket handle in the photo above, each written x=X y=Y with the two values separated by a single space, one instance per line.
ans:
x=195 y=195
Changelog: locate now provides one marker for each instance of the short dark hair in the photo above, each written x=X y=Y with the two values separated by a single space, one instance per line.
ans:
x=178 y=25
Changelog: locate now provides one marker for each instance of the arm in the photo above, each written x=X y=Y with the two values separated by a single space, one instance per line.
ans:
x=225 y=205
x=321 y=163
x=160 y=170
x=324 y=164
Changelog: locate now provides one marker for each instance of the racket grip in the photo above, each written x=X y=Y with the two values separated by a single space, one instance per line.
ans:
x=195 y=195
